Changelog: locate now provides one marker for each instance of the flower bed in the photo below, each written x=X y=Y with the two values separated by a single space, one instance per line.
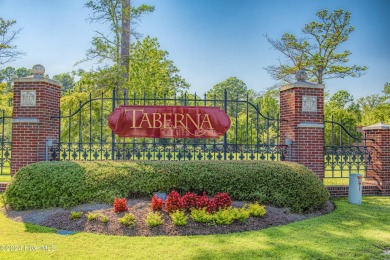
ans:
x=139 y=208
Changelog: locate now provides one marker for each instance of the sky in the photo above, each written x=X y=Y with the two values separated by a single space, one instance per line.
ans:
x=208 y=40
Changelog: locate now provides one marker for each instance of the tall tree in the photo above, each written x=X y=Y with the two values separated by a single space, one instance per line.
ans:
x=235 y=88
x=151 y=71
x=341 y=107
x=114 y=46
x=269 y=103
x=5 y=97
x=8 y=51
x=237 y=93
x=376 y=108
x=387 y=89
x=8 y=74
x=268 y=120
x=107 y=46
x=66 y=80
x=318 y=52
x=22 y=72
x=125 y=41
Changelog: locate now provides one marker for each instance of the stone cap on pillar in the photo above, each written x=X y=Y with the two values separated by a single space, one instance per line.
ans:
x=301 y=82
x=38 y=71
x=379 y=126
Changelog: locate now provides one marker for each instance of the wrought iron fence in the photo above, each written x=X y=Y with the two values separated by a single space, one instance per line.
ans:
x=345 y=153
x=85 y=134
x=5 y=143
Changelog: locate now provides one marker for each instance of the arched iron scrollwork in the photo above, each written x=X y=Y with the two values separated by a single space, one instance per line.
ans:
x=345 y=152
x=342 y=160
x=85 y=135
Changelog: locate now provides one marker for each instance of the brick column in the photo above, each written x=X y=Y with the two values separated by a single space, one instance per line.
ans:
x=378 y=137
x=36 y=100
x=302 y=122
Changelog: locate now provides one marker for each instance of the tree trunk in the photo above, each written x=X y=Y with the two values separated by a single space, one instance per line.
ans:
x=125 y=42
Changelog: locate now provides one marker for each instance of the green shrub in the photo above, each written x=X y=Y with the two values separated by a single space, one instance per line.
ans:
x=103 y=218
x=224 y=216
x=241 y=215
x=128 y=220
x=92 y=216
x=201 y=215
x=75 y=215
x=255 y=209
x=179 y=218
x=154 y=219
x=66 y=184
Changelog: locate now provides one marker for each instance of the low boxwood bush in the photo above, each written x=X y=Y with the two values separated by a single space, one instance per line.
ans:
x=103 y=218
x=256 y=210
x=92 y=216
x=128 y=220
x=201 y=215
x=154 y=219
x=242 y=214
x=179 y=218
x=75 y=215
x=66 y=184
x=224 y=216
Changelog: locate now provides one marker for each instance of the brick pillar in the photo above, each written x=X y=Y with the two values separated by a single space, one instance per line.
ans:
x=378 y=138
x=36 y=100
x=302 y=122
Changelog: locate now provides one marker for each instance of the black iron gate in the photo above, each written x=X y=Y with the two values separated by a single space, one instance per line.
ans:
x=345 y=152
x=5 y=143
x=85 y=134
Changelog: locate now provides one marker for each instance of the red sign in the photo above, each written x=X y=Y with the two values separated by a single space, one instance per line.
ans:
x=169 y=121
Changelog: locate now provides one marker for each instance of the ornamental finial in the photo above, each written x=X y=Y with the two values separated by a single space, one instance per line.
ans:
x=301 y=75
x=38 y=70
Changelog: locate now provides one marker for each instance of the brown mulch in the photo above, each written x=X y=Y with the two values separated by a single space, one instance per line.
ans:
x=59 y=219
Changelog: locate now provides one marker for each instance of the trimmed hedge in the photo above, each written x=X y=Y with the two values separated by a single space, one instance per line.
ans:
x=66 y=184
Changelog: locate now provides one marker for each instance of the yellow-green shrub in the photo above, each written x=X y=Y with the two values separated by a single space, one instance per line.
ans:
x=241 y=215
x=154 y=218
x=92 y=216
x=179 y=218
x=201 y=215
x=255 y=209
x=224 y=216
x=75 y=215
x=128 y=220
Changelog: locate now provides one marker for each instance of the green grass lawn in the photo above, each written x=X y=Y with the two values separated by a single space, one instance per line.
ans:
x=336 y=181
x=351 y=232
